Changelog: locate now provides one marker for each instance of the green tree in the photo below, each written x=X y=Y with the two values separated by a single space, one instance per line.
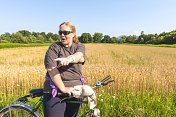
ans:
x=142 y=32
x=97 y=37
x=90 y=38
x=44 y=35
x=49 y=35
x=18 y=38
x=25 y=32
x=35 y=34
x=6 y=38
x=114 y=40
x=3 y=39
x=50 y=40
x=84 y=38
x=25 y=39
x=106 y=39
x=55 y=37
x=32 y=39
x=131 y=38
x=122 y=39
x=40 y=39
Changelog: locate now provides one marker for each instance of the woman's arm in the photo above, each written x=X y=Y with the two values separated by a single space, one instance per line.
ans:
x=56 y=78
x=78 y=57
x=75 y=58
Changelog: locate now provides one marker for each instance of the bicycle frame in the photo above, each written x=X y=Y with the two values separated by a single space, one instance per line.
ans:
x=34 y=109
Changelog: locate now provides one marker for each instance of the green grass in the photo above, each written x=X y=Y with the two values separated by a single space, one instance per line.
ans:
x=155 y=45
x=127 y=104
x=146 y=104
x=14 y=45
x=141 y=104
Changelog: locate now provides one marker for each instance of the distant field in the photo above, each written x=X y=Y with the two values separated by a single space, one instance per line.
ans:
x=138 y=71
x=157 y=45
x=14 y=45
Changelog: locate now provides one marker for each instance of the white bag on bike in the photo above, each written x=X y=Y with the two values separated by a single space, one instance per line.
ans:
x=85 y=91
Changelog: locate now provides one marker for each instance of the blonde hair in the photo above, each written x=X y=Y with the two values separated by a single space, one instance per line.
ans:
x=73 y=29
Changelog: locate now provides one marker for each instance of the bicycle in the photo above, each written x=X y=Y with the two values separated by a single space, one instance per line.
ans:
x=20 y=108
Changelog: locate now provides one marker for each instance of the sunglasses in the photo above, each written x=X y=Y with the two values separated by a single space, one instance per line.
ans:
x=64 y=32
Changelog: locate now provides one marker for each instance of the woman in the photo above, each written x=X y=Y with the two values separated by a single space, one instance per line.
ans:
x=63 y=62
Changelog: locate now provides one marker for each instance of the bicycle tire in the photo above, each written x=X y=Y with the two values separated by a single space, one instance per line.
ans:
x=18 y=110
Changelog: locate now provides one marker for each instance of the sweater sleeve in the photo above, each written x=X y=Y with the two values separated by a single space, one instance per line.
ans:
x=81 y=48
x=51 y=54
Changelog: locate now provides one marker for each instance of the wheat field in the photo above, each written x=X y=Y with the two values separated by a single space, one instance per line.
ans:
x=134 y=68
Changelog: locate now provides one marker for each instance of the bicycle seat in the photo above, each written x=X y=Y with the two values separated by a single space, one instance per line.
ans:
x=36 y=92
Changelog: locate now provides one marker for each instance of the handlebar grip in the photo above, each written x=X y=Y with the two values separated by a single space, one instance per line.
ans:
x=63 y=94
x=108 y=82
x=107 y=78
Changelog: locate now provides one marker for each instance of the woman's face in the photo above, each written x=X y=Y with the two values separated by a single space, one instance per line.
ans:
x=67 y=38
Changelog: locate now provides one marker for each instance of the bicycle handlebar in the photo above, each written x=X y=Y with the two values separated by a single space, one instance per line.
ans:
x=63 y=94
x=39 y=92
x=102 y=83
x=98 y=83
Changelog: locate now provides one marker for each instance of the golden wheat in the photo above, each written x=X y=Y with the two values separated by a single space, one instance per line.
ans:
x=135 y=68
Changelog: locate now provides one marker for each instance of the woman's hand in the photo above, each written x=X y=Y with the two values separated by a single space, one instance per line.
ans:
x=63 y=61
x=70 y=59
x=75 y=91
x=68 y=90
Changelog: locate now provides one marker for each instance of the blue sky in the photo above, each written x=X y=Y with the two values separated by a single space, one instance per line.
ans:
x=110 y=17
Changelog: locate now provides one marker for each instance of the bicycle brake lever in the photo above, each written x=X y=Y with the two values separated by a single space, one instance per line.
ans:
x=108 y=82
x=99 y=83
x=107 y=78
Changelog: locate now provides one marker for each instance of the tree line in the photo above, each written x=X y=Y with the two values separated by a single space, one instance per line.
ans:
x=24 y=36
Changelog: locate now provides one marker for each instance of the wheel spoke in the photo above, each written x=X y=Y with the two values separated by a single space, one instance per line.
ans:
x=17 y=111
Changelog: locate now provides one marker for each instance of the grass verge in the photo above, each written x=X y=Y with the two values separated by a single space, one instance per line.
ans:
x=142 y=104
x=127 y=104
x=14 y=45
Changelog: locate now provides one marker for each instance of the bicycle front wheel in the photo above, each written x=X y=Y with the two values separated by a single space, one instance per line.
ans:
x=17 y=110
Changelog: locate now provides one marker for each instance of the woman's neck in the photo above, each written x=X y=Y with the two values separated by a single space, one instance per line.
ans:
x=68 y=45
